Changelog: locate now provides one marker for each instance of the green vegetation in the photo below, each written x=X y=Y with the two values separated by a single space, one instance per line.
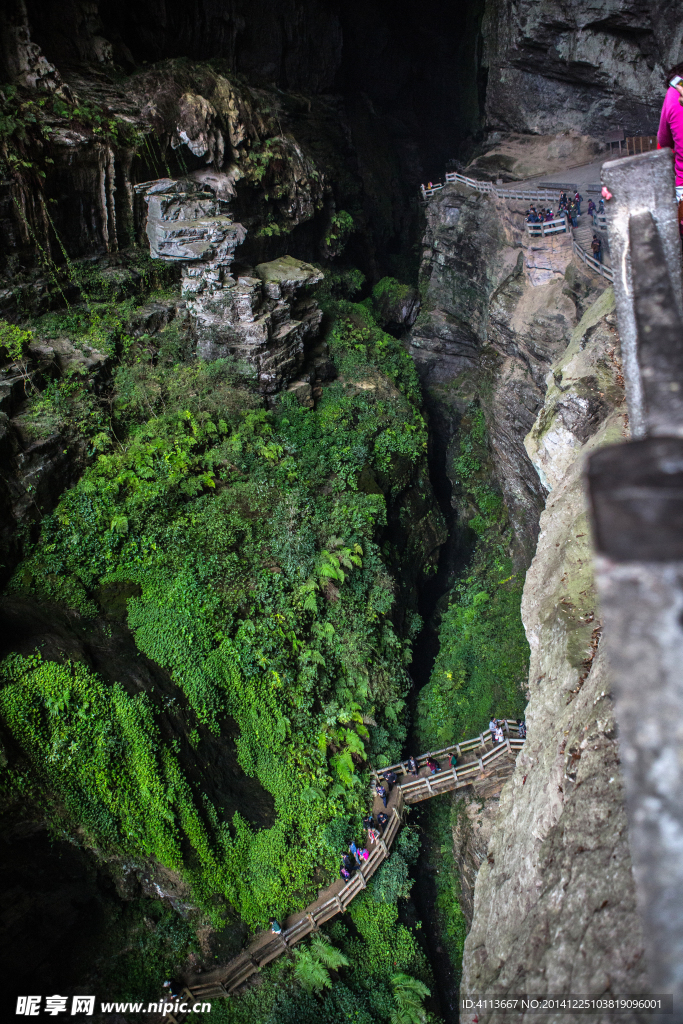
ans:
x=341 y=227
x=483 y=655
x=23 y=118
x=13 y=341
x=388 y=297
x=438 y=820
x=368 y=969
x=261 y=590
x=314 y=962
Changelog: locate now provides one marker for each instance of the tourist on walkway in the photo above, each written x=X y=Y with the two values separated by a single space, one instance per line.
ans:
x=412 y=766
x=521 y=728
x=363 y=854
x=344 y=873
x=549 y=215
x=353 y=850
x=454 y=759
x=382 y=820
x=368 y=821
x=433 y=765
x=275 y=928
x=596 y=246
x=373 y=835
x=592 y=209
x=578 y=199
x=391 y=779
x=381 y=793
x=573 y=213
x=601 y=206
x=492 y=726
x=670 y=134
x=563 y=201
x=499 y=734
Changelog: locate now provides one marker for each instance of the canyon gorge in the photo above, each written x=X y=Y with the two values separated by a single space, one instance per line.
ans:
x=291 y=488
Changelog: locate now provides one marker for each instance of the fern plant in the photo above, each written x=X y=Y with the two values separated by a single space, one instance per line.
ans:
x=314 y=963
x=409 y=994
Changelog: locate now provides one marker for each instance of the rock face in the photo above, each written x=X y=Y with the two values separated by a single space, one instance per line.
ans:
x=498 y=308
x=554 y=907
x=585 y=69
x=257 y=317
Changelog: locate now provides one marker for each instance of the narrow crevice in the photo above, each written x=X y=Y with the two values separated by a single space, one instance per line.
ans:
x=433 y=600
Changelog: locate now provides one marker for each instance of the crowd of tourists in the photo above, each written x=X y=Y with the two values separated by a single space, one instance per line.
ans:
x=376 y=824
x=569 y=207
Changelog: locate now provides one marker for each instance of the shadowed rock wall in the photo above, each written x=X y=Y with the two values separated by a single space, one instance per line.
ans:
x=554 y=65
x=495 y=314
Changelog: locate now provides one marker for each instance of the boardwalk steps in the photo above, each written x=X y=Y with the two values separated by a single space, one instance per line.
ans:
x=409 y=790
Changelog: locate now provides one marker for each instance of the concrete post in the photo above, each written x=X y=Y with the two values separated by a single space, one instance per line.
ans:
x=636 y=493
x=641 y=184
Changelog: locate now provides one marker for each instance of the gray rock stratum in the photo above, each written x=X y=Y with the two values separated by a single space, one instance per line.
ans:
x=497 y=311
x=258 y=316
x=554 y=65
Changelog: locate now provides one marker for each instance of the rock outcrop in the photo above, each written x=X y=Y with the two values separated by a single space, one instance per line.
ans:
x=258 y=316
x=581 y=69
x=554 y=908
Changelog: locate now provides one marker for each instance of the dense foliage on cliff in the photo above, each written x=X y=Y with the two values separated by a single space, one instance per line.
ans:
x=262 y=590
x=382 y=974
x=482 y=664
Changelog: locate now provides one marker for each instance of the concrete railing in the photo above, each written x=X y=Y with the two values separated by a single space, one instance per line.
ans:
x=527 y=194
x=539 y=229
x=591 y=262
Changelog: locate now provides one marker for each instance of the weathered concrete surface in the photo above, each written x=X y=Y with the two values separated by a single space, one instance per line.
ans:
x=554 y=906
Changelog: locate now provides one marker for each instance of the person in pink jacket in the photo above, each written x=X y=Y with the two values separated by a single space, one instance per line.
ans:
x=670 y=133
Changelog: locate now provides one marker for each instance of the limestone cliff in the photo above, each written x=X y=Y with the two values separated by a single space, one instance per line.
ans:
x=497 y=310
x=554 y=907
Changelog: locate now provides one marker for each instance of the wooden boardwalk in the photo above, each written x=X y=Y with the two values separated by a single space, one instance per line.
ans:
x=478 y=756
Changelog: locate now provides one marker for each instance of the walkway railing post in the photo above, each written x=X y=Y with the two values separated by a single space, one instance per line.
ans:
x=636 y=492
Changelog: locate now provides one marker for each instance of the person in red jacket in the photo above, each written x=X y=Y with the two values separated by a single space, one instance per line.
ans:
x=670 y=134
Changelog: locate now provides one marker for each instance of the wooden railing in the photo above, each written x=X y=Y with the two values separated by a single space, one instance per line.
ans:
x=424 y=787
x=508 y=725
x=249 y=963
x=410 y=790
x=640 y=144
